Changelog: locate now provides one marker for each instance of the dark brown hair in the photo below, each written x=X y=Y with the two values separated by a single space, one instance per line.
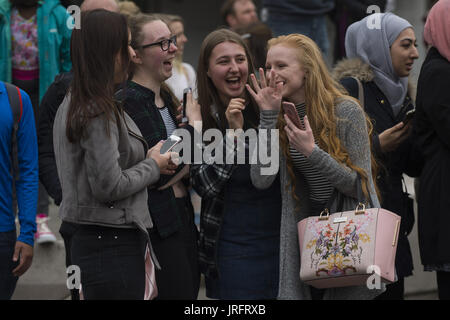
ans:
x=207 y=92
x=256 y=36
x=227 y=9
x=95 y=48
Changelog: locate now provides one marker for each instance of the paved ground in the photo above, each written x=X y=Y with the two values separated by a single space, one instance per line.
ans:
x=46 y=278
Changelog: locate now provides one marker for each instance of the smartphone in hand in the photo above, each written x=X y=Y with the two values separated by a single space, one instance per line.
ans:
x=171 y=142
x=291 y=112
x=409 y=116
x=185 y=92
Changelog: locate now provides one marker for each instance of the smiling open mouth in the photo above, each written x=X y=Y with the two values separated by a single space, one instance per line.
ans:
x=233 y=80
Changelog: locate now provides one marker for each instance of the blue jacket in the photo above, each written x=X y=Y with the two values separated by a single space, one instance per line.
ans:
x=53 y=42
x=27 y=185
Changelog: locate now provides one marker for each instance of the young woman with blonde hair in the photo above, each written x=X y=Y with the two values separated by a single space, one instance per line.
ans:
x=183 y=74
x=331 y=150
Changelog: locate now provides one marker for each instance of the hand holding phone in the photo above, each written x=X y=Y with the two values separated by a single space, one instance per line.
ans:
x=291 y=112
x=163 y=160
x=171 y=142
x=185 y=92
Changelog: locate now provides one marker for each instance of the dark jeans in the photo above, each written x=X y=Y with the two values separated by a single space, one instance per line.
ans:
x=67 y=230
x=111 y=261
x=7 y=279
x=179 y=277
x=443 y=282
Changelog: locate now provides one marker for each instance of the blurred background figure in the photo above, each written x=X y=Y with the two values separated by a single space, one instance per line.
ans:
x=346 y=13
x=183 y=74
x=128 y=8
x=256 y=36
x=432 y=129
x=307 y=17
x=110 y=5
x=35 y=47
x=238 y=13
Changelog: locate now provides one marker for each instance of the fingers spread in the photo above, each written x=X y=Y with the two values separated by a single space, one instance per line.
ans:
x=255 y=83
x=262 y=78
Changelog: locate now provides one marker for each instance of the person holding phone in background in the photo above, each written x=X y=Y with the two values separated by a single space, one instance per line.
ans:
x=157 y=113
x=240 y=225
x=331 y=150
x=381 y=60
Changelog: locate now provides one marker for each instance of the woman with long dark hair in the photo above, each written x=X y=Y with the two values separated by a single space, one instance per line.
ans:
x=104 y=164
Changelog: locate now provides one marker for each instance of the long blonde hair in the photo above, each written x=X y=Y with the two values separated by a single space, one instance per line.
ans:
x=322 y=93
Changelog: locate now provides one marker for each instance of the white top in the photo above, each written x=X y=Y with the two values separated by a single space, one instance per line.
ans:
x=178 y=81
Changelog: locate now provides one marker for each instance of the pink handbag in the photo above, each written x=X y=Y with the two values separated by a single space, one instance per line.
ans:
x=340 y=249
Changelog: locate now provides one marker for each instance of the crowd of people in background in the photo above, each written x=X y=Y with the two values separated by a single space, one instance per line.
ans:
x=85 y=113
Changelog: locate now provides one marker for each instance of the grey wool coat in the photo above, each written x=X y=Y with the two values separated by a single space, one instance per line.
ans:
x=352 y=132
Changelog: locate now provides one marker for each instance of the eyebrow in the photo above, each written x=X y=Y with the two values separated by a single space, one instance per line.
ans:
x=409 y=39
x=164 y=37
x=227 y=57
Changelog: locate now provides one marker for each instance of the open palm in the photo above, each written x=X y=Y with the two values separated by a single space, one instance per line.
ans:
x=267 y=96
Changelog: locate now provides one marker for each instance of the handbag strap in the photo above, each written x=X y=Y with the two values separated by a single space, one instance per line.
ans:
x=360 y=92
x=340 y=198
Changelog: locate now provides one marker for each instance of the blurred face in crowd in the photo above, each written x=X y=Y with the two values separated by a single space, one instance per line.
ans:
x=285 y=66
x=244 y=14
x=228 y=70
x=177 y=29
x=109 y=5
x=155 y=61
x=404 y=52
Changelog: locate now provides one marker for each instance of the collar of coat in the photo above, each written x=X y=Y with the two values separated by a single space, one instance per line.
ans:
x=357 y=68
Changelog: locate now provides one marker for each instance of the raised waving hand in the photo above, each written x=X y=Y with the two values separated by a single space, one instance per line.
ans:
x=267 y=94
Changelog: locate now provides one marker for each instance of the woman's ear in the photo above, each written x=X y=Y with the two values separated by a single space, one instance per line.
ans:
x=135 y=58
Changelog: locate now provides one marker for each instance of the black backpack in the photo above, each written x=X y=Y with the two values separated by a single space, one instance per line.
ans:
x=15 y=102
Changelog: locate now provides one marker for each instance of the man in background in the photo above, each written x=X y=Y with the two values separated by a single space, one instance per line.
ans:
x=239 y=13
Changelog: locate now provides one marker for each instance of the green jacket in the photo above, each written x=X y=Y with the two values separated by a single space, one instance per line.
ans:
x=53 y=42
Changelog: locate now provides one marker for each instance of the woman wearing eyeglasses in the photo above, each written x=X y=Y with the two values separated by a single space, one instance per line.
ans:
x=155 y=110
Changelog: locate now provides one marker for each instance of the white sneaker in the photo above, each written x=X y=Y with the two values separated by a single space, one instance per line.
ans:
x=43 y=233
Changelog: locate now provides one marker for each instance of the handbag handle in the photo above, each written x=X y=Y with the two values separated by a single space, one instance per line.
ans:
x=340 y=198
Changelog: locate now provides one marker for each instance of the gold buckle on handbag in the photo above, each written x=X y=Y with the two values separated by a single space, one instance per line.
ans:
x=321 y=218
x=360 y=211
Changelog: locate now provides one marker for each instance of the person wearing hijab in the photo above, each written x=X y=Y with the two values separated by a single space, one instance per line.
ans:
x=432 y=132
x=376 y=70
